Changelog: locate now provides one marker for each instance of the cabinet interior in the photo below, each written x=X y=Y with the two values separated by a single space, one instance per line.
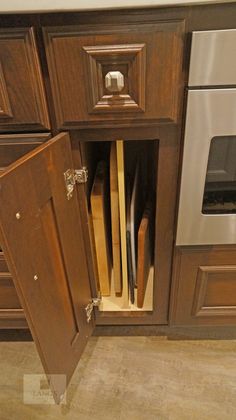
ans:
x=137 y=168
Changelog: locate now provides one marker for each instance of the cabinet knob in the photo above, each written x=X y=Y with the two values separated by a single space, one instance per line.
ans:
x=114 y=81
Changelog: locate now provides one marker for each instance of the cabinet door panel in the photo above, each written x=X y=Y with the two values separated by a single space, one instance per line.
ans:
x=22 y=97
x=12 y=147
x=88 y=65
x=204 y=286
x=41 y=236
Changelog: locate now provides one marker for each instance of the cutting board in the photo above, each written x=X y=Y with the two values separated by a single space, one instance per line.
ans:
x=136 y=210
x=128 y=241
x=144 y=253
x=122 y=212
x=99 y=203
x=115 y=220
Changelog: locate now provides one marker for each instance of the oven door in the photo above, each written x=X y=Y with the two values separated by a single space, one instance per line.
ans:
x=207 y=207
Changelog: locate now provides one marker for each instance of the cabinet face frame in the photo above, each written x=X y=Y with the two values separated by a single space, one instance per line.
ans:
x=45 y=253
x=167 y=179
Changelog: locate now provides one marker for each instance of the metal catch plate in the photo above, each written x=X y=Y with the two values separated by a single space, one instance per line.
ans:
x=81 y=175
x=73 y=176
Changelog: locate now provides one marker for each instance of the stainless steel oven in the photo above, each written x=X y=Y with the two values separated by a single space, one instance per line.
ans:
x=207 y=206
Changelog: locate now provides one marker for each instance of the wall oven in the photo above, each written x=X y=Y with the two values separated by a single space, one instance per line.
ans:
x=207 y=206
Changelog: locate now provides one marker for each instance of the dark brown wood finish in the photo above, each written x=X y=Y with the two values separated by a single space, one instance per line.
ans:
x=22 y=99
x=12 y=147
x=41 y=236
x=8 y=295
x=204 y=286
x=193 y=18
x=148 y=55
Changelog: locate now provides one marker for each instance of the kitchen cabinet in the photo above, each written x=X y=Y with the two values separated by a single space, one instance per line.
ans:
x=145 y=54
x=12 y=147
x=204 y=286
x=100 y=79
x=22 y=95
x=147 y=57
x=41 y=235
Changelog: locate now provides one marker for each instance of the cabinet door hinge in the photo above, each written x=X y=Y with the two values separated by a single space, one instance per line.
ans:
x=89 y=308
x=73 y=176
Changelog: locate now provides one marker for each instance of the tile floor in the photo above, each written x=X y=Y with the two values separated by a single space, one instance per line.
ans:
x=130 y=378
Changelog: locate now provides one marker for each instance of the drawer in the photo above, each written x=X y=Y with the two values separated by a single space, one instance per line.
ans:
x=204 y=286
x=12 y=147
x=8 y=295
x=213 y=58
x=22 y=98
x=117 y=75
x=3 y=264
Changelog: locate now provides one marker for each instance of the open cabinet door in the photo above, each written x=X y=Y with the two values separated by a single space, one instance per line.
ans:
x=41 y=236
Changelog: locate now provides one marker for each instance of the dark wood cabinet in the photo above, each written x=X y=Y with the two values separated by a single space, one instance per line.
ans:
x=204 y=286
x=148 y=58
x=11 y=312
x=13 y=147
x=108 y=77
x=23 y=104
x=41 y=235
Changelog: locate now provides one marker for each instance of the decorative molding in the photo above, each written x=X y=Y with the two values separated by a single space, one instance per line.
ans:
x=153 y=78
x=12 y=102
x=200 y=309
x=130 y=60
x=12 y=314
x=5 y=107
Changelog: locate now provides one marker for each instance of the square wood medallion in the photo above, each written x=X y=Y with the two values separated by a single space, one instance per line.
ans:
x=127 y=61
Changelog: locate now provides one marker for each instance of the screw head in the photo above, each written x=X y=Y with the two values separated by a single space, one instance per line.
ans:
x=18 y=215
x=35 y=277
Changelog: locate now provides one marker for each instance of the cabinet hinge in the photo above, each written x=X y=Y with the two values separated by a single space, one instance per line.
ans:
x=89 y=308
x=73 y=176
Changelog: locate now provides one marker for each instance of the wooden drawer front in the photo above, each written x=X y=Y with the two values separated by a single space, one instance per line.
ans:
x=8 y=296
x=11 y=313
x=12 y=147
x=3 y=264
x=148 y=58
x=204 y=286
x=22 y=98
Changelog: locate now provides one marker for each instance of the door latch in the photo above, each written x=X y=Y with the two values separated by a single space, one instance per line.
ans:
x=89 y=308
x=72 y=177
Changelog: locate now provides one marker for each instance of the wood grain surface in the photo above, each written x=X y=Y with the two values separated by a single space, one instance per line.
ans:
x=122 y=209
x=115 y=220
x=144 y=254
x=40 y=235
x=99 y=210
